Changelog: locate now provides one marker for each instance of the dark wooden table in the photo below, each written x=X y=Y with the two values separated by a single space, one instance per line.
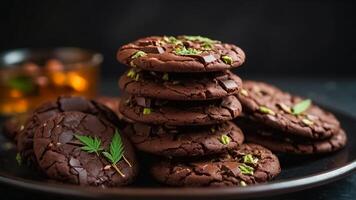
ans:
x=337 y=93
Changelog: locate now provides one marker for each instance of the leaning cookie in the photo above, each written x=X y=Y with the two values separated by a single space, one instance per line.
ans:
x=185 y=141
x=78 y=148
x=285 y=112
x=180 y=54
x=47 y=110
x=278 y=142
x=182 y=86
x=180 y=113
x=248 y=164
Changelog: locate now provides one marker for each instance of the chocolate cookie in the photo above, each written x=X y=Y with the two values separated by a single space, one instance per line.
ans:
x=279 y=142
x=246 y=165
x=290 y=114
x=63 y=156
x=47 y=110
x=180 y=54
x=183 y=86
x=185 y=141
x=178 y=113
x=13 y=125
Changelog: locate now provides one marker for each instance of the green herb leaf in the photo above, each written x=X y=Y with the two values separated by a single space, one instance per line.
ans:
x=249 y=159
x=227 y=59
x=186 y=51
x=165 y=77
x=147 y=111
x=265 y=110
x=138 y=54
x=245 y=169
x=301 y=107
x=91 y=144
x=116 y=151
x=225 y=139
x=22 y=83
x=19 y=159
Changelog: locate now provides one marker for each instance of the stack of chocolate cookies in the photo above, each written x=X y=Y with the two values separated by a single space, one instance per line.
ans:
x=286 y=123
x=181 y=97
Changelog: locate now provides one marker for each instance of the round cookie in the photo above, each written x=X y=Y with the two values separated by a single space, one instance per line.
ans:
x=273 y=107
x=278 y=142
x=173 y=86
x=180 y=113
x=13 y=125
x=60 y=155
x=47 y=110
x=180 y=54
x=248 y=164
x=185 y=141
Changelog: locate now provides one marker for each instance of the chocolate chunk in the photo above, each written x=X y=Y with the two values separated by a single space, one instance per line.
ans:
x=208 y=58
x=142 y=101
x=152 y=49
x=228 y=85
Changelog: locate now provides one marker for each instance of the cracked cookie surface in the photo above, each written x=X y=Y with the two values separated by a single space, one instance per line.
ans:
x=179 y=113
x=180 y=54
x=232 y=169
x=60 y=156
x=185 y=141
x=47 y=110
x=279 y=142
x=272 y=107
x=187 y=86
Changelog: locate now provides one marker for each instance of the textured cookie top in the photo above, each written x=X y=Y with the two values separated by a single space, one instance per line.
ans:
x=62 y=156
x=47 y=110
x=286 y=112
x=185 y=141
x=245 y=165
x=180 y=54
x=182 y=86
x=180 y=113
x=278 y=141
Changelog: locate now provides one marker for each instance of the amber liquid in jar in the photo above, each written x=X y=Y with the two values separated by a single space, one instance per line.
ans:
x=28 y=84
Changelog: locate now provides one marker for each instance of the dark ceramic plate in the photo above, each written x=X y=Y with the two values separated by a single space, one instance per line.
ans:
x=298 y=173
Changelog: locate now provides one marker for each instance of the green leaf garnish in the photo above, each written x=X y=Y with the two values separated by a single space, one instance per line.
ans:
x=22 y=83
x=91 y=144
x=225 y=139
x=186 y=51
x=245 y=169
x=138 y=54
x=249 y=159
x=165 y=77
x=265 y=110
x=227 y=59
x=19 y=159
x=301 y=107
x=147 y=111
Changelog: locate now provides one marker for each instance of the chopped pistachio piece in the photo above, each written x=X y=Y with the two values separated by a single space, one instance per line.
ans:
x=172 y=40
x=131 y=73
x=138 y=54
x=307 y=122
x=301 y=107
x=249 y=159
x=137 y=77
x=165 y=77
x=244 y=92
x=147 y=111
x=199 y=39
x=212 y=129
x=245 y=169
x=265 y=110
x=186 y=51
x=18 y=159
x=243 y=183
x=227 y=59
x=225 y=139
x=284 y=107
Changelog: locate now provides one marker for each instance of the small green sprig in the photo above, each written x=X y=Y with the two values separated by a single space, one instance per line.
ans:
x=301 y=107
x=91 y=144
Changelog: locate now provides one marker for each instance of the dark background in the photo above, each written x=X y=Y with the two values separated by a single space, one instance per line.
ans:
x=280 y=37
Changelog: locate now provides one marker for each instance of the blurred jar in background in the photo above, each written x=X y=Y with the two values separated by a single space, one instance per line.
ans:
x=30 y=77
